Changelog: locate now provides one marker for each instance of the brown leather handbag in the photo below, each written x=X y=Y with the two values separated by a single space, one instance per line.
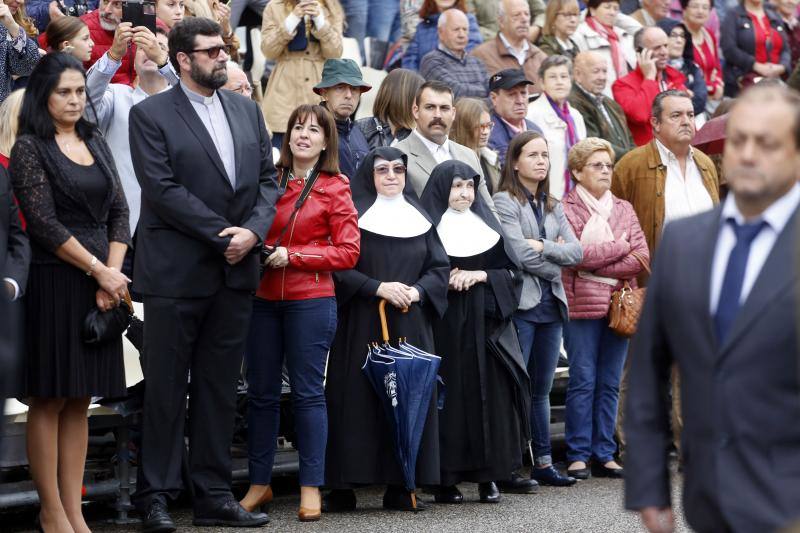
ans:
x=626 y=305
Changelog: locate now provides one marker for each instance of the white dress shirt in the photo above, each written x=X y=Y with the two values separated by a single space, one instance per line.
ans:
x=440 y=152
x=520 y=55
x=684 y=195
x=777 y=216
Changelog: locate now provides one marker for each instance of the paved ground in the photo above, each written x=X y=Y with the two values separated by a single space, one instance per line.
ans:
x=592 y=506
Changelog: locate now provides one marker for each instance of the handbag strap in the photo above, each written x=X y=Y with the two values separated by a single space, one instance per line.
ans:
x=645 y=264
x=283 y=182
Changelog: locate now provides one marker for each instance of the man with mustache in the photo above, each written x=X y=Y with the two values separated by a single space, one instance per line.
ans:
x=428 y=145
x=722 y=305
x=635 y=92
x=665 y=180
x=204 y=163
x=340 y=88
x=508 y=92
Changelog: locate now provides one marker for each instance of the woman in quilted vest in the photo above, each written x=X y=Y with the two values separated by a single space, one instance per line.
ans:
x=610 y=234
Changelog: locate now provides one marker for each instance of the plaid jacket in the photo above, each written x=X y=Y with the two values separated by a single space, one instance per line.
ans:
x=467 y=76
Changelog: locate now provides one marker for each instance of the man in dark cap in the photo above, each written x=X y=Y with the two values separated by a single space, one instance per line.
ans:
x=341 y=87
x=508 y=91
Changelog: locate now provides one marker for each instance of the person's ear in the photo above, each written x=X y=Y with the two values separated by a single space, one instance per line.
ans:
x=184 y=61
x=654 y=122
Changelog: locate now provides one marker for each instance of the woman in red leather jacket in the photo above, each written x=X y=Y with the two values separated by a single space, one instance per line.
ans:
x=294 y=312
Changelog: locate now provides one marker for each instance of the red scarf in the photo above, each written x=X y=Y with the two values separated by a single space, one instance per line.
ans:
x=617 y=57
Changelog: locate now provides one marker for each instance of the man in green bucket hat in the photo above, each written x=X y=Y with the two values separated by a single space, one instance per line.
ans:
x=341 y=87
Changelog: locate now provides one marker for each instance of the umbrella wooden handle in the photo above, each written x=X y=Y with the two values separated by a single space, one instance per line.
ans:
x=382 y=314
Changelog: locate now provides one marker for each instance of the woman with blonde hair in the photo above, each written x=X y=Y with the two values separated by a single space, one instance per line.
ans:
x=472 y=128
x=299 y=35
x=393 y=119
x=17 y=8
x=9 y=124
x=611 y=239
x=561 y=19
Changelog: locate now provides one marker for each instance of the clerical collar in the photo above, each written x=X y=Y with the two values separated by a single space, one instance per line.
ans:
x=393 y=216
x=465 y=234
x=199 y=98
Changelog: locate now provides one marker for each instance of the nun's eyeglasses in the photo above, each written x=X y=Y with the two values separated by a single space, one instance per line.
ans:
x=383 y=170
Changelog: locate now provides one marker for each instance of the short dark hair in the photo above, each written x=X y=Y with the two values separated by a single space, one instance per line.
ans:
x=182 y=36
x=658 y=102
x=685 y=3
x=594 y=4
x=765 y=91
x=329 y=158
x=638 y=37
x=34 y=117
x=435 y=86
x=555 y=61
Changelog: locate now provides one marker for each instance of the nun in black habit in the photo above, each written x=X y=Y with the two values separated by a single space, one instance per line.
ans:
x=402 y=261
x=480 y=430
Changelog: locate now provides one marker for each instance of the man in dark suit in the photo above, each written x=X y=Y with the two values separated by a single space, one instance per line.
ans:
x=15 y=257
x=203 y=160
x=721 y=303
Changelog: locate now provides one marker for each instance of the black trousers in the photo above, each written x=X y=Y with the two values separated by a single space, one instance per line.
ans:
x=201 y=339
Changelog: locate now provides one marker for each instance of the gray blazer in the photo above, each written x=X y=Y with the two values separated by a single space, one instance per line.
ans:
x=421 y=163
x=519 y=223
x=740 y=397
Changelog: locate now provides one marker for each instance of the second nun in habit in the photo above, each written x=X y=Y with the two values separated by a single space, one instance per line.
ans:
x=480 y=430
x=403 y=262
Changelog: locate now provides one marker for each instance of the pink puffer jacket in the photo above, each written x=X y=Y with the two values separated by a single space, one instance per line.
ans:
x=590 y=299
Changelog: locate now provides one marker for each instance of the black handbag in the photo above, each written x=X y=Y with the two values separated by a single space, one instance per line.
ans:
x=100 y=327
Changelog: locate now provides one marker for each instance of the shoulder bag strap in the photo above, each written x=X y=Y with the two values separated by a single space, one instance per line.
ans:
x=645 y=264
x=282 y=183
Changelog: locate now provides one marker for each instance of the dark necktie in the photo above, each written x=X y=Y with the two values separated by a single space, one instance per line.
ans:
x=728 y=305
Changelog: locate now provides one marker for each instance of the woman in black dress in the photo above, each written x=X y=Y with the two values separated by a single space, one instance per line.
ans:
x=64 y=177
x=480 y=430
x=403 y=262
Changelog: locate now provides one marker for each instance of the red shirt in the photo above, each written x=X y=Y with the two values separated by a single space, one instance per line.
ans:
x=707 y=58
x=769 y=42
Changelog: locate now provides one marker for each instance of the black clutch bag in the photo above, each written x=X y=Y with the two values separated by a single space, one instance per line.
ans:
x=100 y=327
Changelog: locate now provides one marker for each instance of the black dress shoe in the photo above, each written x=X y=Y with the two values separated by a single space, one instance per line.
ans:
x=339 y=501
x=449 y=495
x=600 y=470
x=399 y=499
x=157 y=519
x=579 y=473
x=552 y=477
x=518 y=485
x=230 y=514
x=488 y=492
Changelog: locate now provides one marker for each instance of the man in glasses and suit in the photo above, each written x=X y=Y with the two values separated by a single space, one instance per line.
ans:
x=203 y=161
x=722 y=305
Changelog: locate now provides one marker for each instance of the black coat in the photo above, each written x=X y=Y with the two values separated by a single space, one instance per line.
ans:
x=740 y=398
x=15 y=250
x=187 y=198
x=353 y=147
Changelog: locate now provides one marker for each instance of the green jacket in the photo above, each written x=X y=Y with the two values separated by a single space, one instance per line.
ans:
x=596 y=124
x=550 y=46
x=486 y=13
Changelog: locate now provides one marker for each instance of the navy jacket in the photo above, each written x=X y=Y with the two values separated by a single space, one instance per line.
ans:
x=501 y=135
x=739 y=47
x=353 y=146
x=426 y=39
x=39 y=11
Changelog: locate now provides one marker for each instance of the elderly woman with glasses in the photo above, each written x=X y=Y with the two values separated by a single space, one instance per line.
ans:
x=561 y=19
x=610 y=235
x=696 y=14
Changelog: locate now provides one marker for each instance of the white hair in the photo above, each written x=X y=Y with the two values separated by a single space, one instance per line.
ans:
x=501 y=9
x=443 y=17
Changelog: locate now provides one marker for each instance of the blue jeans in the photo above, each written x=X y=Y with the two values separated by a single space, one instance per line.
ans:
x=540 y=344
x=596 y=357
x=382 y=23
x=302 y=330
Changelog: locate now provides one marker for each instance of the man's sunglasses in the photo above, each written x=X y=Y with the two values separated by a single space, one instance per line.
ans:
x=212 y=52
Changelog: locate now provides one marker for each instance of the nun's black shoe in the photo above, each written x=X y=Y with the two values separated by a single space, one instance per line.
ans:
x=449 y=495
x=518 y=485
x=488 y=492
x=339 y=501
